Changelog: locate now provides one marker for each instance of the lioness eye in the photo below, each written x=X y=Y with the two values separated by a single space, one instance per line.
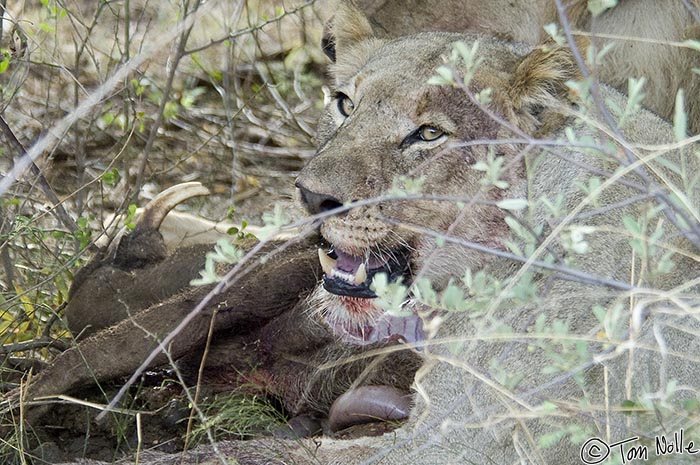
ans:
x=429 y=133
x=345 y=105
x=425 y=133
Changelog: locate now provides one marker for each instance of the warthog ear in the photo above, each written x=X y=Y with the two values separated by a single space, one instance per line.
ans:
x=348 y=40
x=538 y=85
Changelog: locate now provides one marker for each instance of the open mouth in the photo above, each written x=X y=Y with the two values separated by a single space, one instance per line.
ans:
x=350 y=276
x=352 y=315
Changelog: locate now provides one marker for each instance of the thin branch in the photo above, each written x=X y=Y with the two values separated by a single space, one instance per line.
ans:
x=46 y=332
x=568 y=273
x=59 y=129
x=233 y=275
x=692 y=10
x=613 y=206
x=39 y=343
x=48 y=191
x=3 y=10
x=200 y=376
x=179 y=54
x=251 y=29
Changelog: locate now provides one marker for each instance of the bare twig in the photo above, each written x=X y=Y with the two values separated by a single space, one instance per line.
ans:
x=59 y=129
x=570 y=274
x=39 y=343
x=46 y=332
x=248 y=30
x=200 y=374
x=233 y=275
x=692 y=10
x=179 y=54
x=3 y=8
x=60 y=212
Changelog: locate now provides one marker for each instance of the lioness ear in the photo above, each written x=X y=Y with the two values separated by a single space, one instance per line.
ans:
x=328 y=41
x=539 y=84
x=348 y=40
x=349 y=26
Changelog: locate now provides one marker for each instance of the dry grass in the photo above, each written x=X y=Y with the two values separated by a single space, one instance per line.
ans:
x=238 y=116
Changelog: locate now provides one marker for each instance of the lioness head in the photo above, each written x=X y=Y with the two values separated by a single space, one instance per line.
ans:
x=385 y=122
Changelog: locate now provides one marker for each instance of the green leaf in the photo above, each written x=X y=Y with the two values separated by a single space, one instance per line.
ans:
x=274 y=221
x=553 y=31
x=424 y=292
x=484 y=97
x=550 y=439
x=597 y=7
x=438 y=81
x=189 y=96
x=445 y=73
x=680 y=118
x=129 y=220
x=691 y=405
x=548 y=407
x=630 y=406
x=453 y=298
x=632 y=225
x=403 y=186
x=111 y=177
x=512 y=204
x=665 y=264
x=694 y=44
x=600 y=313
x=669 y=165
x=390 y=295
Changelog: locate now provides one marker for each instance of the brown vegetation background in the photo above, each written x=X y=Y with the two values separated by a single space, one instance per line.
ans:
x=119 y=100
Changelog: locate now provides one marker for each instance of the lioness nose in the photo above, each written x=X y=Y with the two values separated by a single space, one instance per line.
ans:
x=317 y=203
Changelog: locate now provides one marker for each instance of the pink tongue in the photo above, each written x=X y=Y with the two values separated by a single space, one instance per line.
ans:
x=350 y=263
x=409 y=328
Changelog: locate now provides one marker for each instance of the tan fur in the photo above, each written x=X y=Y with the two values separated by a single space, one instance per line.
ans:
x=539 y=80
x=464 y=414
x=642 y=31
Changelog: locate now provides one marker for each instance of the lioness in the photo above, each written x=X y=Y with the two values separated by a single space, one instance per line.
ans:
x=535 y=366
x=572 y=324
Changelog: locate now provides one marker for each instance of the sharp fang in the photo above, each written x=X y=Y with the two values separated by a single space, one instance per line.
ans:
x=327 y=263
x=361 y=275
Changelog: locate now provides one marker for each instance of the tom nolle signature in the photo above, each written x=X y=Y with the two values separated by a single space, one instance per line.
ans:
x=595 y=450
